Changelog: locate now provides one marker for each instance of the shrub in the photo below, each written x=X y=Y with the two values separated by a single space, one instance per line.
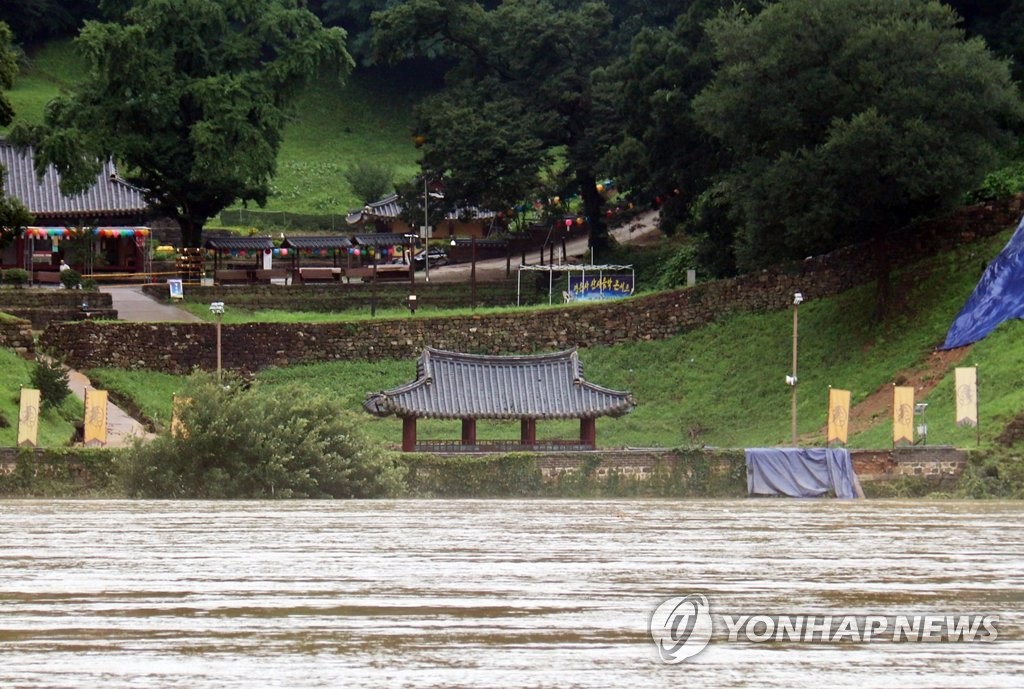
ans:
x=235 y=441
x=50 y=378
x=15 y=276
x=70 y=278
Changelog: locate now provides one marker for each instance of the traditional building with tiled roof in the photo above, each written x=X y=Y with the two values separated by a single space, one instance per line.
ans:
x=111 y=210
x=531 y=388
x=385 y=215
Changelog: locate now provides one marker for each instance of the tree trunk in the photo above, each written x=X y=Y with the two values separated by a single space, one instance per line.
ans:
x=191 y=232
x=592 y=203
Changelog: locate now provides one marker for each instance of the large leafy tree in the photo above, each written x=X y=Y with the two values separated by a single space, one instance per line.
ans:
x=13 y=215
x=848 y=119
x=519 y=93
x=190 y=97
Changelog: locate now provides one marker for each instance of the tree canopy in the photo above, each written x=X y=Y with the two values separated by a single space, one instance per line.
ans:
x=190 y=98
x=846 y=120
x=12 y=213
x=519 y=94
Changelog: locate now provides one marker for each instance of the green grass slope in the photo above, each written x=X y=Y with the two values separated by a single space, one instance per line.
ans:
x=723 y=385
x=55 y=429
x=368 y=118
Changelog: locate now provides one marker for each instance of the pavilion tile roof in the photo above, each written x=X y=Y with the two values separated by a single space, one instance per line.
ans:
x=109 y=196
x=453 y=385
x=389 y=208
x=317 y=242
x=239 y=243
x=381 y=239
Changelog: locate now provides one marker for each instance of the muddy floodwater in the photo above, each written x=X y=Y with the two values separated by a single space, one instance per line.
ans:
x=493 y=593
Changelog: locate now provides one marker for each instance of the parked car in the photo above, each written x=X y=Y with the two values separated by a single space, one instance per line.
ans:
x=438 y=257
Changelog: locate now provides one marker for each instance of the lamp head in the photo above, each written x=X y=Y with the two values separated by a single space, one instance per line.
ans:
x=798 y=299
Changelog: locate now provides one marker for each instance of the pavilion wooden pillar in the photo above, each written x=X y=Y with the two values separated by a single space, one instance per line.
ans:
x=469 y=431
x=528 y=431
x=408 y=434
x=588 y=432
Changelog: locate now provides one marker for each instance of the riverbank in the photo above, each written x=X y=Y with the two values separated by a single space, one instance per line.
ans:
x=646 y=473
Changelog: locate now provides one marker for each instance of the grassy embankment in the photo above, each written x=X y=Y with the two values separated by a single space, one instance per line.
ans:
x=370 y=117
x=723 y=385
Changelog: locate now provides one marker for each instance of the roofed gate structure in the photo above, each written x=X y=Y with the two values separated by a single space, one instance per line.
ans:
x=453 y=385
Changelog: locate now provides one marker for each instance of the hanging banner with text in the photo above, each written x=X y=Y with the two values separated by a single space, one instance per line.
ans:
x=967 y=396
x=28 y=418
x=902 y=415
x=838 y=415
x=594 y=287
x=95 y=417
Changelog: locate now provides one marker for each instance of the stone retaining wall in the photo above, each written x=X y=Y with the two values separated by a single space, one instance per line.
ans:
x=42 y=306
x=16 y=334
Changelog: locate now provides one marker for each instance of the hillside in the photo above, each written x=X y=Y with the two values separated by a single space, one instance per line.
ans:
x=723 y=385
x=369 y=118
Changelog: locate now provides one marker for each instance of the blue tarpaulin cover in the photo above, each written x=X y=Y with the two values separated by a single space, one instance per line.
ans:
x=998 y=296
x=800 y=472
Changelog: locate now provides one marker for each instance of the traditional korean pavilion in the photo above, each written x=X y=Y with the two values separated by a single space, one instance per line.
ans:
x=531 y=388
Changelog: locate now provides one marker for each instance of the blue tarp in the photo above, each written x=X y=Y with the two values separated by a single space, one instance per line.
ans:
x=800 y=472
x=998 y=296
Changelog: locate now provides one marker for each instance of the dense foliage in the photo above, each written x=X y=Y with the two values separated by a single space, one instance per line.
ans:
x=12 y=211
x=191 y=98
x=848 y=119
x=233 y=441
x=51 y=379
x=519 y=94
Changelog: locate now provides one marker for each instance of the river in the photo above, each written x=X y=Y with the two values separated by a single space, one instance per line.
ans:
x=495 y=593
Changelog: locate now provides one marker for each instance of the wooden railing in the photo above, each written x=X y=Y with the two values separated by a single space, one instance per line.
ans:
x=501 y=446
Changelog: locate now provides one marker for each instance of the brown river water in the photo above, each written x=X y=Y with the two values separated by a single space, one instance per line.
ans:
x=495 y=593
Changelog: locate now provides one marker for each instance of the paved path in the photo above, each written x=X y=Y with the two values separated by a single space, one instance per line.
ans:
x=122 y=429
x=133 y=305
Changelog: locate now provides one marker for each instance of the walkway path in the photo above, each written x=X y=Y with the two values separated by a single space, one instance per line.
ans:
x=131 y=305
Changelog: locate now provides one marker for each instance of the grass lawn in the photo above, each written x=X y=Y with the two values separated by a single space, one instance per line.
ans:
x=56 y=427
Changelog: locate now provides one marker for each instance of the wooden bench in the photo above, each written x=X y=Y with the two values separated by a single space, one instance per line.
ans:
x=268 y=275
x=231 y=277
x=314 y=275
x=47 y=277
x=366 y=274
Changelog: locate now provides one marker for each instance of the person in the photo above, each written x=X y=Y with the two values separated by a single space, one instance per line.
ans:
x=64 y=266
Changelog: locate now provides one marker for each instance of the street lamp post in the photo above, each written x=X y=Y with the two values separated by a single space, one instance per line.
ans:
x=217 y=308
x=792 y=380
x=426 y=234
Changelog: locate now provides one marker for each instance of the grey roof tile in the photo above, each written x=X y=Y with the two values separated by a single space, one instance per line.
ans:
x=239 y=243
x=110 y=195
x=452 y=385
x=325 y=242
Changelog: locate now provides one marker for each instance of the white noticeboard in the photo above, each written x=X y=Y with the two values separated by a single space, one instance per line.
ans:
x=175 y=287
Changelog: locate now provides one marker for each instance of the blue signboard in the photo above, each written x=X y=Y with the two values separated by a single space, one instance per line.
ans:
x=593 y=287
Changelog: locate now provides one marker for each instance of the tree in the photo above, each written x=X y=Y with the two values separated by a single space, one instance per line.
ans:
x=256 y=441
x=369 y=180
x=848 y=119
x=13 y=214
x=190 y=97
x=647 y=94
x=519 y=94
